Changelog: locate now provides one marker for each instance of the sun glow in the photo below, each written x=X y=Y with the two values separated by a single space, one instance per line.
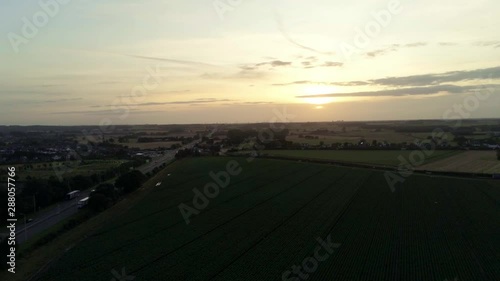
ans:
x=319 y=90
x=319 y=100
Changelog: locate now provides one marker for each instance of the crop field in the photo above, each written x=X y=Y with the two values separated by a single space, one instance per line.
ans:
x=468 y=162
x=378 y=157
x=273 y=216
x=354 y=135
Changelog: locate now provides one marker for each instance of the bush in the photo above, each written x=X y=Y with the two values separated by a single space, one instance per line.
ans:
x=81 y=182
x=130 y=181
x=107 y=190
x=98 y=202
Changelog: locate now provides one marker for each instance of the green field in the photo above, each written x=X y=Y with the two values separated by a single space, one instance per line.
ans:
x=70 y=168
x=379 y=157
x=269 y=217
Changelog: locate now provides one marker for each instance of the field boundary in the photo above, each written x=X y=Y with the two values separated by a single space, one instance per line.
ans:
x=379 y=167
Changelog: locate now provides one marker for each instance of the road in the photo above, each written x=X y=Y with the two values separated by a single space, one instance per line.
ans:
x=66 y=209
x=49 y=218
x=156 y=162
x=167 y=157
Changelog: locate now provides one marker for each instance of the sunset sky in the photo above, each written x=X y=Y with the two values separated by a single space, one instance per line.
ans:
x=206 y=61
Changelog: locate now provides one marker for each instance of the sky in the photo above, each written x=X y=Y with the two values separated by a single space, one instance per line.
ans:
x=89 y=62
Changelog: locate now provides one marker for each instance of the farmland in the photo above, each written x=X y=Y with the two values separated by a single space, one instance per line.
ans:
x=269 y=219
x=467 y=162
x=377 y=157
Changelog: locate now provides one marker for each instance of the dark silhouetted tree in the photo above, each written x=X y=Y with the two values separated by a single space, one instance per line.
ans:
x=81 y=182
x=98 y=202
x=107 y=190
x=130 y=181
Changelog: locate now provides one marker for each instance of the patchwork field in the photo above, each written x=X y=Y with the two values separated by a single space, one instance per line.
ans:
x=359 y=134
x=274 y=216
x=468 y=162
x=379 y=157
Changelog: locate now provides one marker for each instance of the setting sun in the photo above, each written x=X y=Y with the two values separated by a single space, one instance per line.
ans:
x=320 y=100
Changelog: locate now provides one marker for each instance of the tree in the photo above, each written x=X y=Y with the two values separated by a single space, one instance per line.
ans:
x=98 y=202
x=236 y=136
x=81 y=182
x=107 y=190
x=460 y=140
x=130 y=181
x=281 y=135
x=35 y=190
x=58 y=189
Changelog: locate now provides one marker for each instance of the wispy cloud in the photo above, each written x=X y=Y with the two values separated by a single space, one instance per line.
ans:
x=303 y=82
x=311 y=64
x=255 y=102
x=194 y=101
x=447 y=44
x=53 y=101
x=104 y=112
x=495 y=44
x=415 y=80
x=245 y=72
x=283 y=31
x=380 y=52
x=52 y=85
x=439 y=78
x=162 y=93
x=332 y=64
x=394 y=48
x=184 y=62
x=275 y=63
x=415 y=91
x=416 y=44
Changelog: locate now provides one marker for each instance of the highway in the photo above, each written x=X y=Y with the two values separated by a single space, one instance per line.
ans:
x=157 y=162
x=64 y=210
x=167 y=157
x=48 y=218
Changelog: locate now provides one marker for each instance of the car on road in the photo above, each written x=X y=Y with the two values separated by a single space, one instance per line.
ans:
x=84 y=202
x=73 y=194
